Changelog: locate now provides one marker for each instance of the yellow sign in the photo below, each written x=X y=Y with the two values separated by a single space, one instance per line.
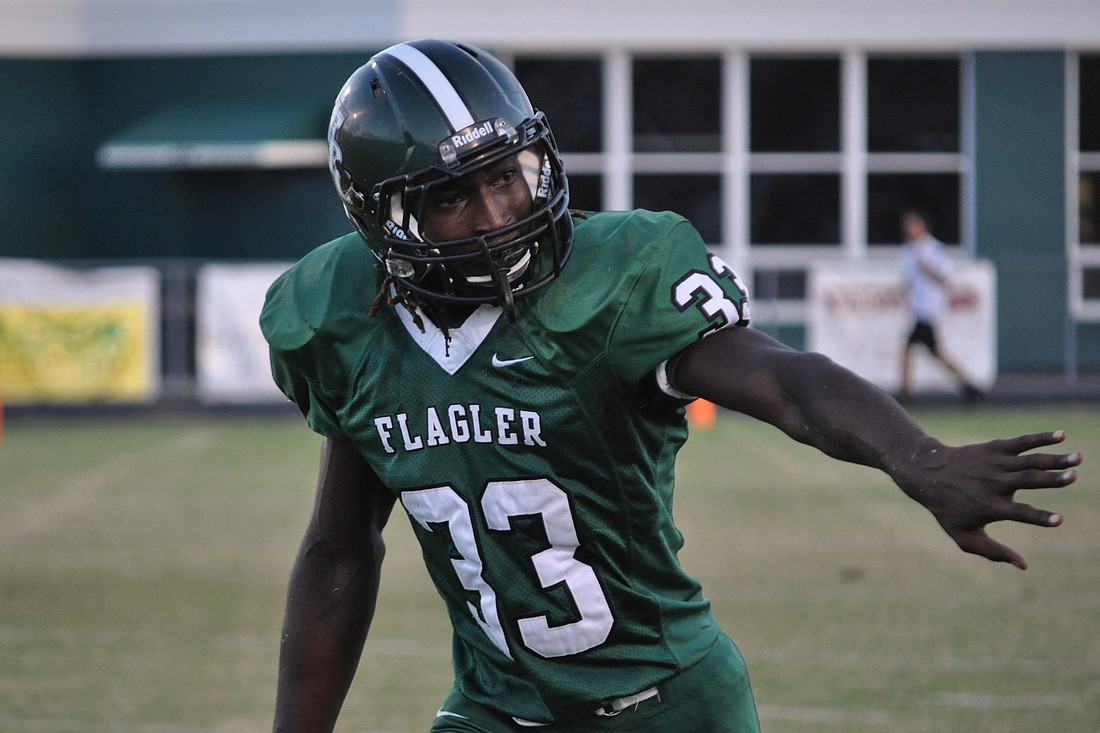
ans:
x=85 y=353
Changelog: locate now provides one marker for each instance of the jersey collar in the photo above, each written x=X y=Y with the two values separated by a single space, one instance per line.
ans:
x=451 y=353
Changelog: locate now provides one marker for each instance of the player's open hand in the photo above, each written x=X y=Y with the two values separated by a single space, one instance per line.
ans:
x=971 y=486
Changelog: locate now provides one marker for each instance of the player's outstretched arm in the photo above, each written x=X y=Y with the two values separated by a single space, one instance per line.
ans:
x=817 y=402
x=332 y=592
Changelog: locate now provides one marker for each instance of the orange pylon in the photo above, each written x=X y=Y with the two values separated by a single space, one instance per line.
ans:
x=702 y=414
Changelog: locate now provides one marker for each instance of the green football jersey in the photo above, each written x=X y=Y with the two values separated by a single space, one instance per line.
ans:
x=534 y=458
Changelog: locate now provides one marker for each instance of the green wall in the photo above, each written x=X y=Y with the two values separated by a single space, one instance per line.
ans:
x=44 y=158
x=56 y=202
x=1019 y=176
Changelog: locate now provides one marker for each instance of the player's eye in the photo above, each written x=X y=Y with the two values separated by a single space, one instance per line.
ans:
x=445 y=198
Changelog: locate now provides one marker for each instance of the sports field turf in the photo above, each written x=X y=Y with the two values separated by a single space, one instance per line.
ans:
x=143 y=562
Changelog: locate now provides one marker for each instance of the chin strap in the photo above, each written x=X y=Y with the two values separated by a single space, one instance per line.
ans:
x=507 y=299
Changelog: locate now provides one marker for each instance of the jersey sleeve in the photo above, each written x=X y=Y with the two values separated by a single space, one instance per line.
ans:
x=309 y=396
x=682 y=293
x=305 y=362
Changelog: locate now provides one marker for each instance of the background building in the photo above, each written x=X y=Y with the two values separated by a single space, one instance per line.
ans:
x=178 y=132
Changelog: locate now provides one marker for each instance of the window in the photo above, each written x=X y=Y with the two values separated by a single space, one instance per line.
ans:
x=795 y=208
x=794 y=141
x=913 y=105
x=779 y=160
x=1089 y=142
x=676 y=109
x=695 y=197
x=585 y=192
x=1088 y=200
x=1084 y=243
x=795 y=105
x=888 y=194
x=569 y=91
x=914 y=145
x=1090 y=279
x=677 y=104
x=1089 y=89
x=779 y=284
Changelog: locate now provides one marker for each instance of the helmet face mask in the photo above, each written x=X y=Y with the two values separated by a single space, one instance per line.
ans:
x=395 y=142
x=467 y=269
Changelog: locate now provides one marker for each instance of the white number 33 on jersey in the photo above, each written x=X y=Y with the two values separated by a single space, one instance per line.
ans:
x=704 y=291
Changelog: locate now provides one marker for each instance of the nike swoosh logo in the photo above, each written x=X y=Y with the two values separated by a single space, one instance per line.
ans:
x=498 y=362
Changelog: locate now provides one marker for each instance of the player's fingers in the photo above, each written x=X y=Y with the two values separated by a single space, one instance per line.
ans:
x=1041 y=479
x=1024 y=443
x=1027 y=514
x=1049 y=461
x=977 y=542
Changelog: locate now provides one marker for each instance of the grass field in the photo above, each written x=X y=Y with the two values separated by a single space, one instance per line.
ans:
x=143 y=563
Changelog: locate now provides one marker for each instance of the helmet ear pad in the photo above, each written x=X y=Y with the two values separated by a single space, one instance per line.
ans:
x=422 y=114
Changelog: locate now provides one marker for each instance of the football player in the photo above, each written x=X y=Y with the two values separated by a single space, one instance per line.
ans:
x=512 y=375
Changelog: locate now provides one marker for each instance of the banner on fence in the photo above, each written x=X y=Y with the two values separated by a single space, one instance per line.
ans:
x=77 y=336
x=859 y=316
x=231 y=355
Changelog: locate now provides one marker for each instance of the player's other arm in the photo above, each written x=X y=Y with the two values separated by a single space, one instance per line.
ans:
x=332 y=591
x=817 y=402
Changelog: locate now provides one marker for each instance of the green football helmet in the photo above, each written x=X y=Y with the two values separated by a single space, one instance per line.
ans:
x=418 y=115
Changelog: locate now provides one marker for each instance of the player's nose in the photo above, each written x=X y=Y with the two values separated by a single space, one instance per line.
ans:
x=491 y=210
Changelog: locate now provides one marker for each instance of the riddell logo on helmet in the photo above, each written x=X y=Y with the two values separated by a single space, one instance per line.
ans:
x=544 y=179
x=395 y=229
x=472 y=134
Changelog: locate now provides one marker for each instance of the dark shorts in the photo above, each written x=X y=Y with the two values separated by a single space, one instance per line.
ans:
x=713 y=696
x=923 y=333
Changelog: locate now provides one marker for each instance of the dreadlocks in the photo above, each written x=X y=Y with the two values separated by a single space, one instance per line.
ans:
x=393 y=292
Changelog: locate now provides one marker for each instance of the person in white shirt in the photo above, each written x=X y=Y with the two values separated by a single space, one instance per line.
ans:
x=926 y=268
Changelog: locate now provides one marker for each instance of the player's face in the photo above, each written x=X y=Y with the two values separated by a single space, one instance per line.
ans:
x=478 y=203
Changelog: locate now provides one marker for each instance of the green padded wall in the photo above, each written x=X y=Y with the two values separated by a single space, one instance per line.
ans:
x=1019 y=179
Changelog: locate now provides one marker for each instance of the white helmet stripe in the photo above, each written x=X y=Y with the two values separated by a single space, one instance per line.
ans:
x=444 y=93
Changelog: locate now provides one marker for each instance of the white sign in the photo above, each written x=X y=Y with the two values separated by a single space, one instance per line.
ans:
x=231 y=354
x=859 y=316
